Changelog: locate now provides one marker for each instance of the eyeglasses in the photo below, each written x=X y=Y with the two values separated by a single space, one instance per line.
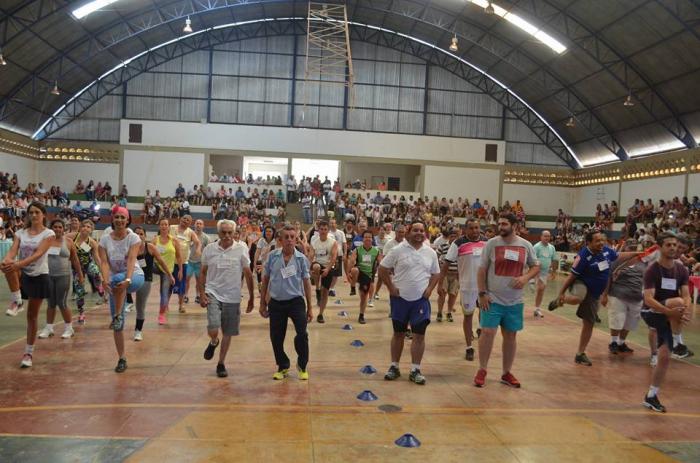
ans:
x=222 y=232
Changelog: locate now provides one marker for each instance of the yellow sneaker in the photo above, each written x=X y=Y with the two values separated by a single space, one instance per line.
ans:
x=303 y=375
x=279 y=375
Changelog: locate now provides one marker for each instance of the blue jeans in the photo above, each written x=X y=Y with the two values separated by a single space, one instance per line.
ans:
x=307 y=215
x=136 y=283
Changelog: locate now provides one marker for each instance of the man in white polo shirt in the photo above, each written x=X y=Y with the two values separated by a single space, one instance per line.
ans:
x=224 y=263
x=322 y=253
x=416 y=273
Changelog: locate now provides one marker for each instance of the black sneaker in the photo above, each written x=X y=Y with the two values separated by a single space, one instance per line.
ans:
x=353 y=291
x=196 y=299
x=583 y=359
x=221 y=370
x=449 y=317
x=553 y=304
x=652 y=403
x=613 y=348
x=209 y=351
x=624 y=349
x=417 y=377
x=392 y=374
x=409 y=335
x=681 y=351
x=331 y=292
x=121 y=366
x=187 y=300
x=438 y=318
x=320 y=319
x=469 y=354
x=361 y=319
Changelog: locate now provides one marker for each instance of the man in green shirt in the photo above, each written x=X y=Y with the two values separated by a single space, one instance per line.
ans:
x=363 y=263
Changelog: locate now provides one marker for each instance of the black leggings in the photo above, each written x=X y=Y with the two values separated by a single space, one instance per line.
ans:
x=280 y=313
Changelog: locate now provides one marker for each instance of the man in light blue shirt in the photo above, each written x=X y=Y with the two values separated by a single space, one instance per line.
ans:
x=549 y=264
x=286 y=283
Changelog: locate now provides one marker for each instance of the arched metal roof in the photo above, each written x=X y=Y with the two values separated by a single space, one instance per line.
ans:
x=647 y=48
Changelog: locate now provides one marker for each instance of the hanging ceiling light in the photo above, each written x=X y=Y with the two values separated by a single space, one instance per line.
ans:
x=628 y=101
x=55 y=91
x=571 y=123
x=188 y=26
x=489 y=9
x=2 y=59
x=454 y=46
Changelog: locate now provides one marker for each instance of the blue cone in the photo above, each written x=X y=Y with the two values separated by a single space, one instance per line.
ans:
x=342 y=313
x=347 y=327
x=338 y=302
x=367 y=396
x=407 y=440
x=368 y=370
x=357 y=343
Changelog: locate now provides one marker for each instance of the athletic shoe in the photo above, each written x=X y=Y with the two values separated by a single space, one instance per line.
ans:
x=353 y=291
x=469 y=355
x=209 y=351
x=161 y=319
x=361 y=319
x=370 y=303
x=553 y=305
x=449 y=317
x=409 y=334
x=303 y=374
x=138 y=335
x=26 y=361
x=613 y=348
x=181 y=309
x=320 y=319
x=281 y=374
x=128 y=308
x=68 y=333
x=81 y=319
x=376 y=296
x=392 y=374
x=331 y=292
x=509 y=380
x=221 y=370
x=652 y=403
x=480 y=378
x=624 y=349
x=653 y=360
x=583 y=359
x=14 y=309
x=438 y=318
x=121 y=366
x=538 y=313
x=187 y=300
x=680 y=352
x=45 y=332
x=416 y=377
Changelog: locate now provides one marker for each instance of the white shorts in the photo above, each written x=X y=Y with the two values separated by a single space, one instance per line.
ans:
x=469 y=299
x=623 y=314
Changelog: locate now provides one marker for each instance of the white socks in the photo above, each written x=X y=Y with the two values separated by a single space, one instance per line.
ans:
x=395 y=364
x=17 y=297
x=29 y=349
x=615 y=339
x=49 y=326
x=677 y=339
x=653 y=390
x=415 y=366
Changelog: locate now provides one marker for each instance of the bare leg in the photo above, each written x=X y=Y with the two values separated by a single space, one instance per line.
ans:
x=659 y=373
x=586 y=332
x=467 y=328
x=653 y=342
x=33 y=319
x=417 y=348
x=225 y=343
x=397 y=341
x=509 y=348
x=486 y=345
x=540 y=292
x=451 y=299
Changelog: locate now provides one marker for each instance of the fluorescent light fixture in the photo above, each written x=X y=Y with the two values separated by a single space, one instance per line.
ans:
x=660 y=148
x=603 y=158
x=91 y=7
x=523 y=24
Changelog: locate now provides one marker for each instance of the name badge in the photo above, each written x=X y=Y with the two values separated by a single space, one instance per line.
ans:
x=85 y=247
x=367 y=258
x=603 y=265
x=161 y=249
x=225 y=263
x=54 y=251
x=669 y=283
x=512 y=255
x=477 y=252
x=288 y=271
x=323 y=252
x=181 y=237
x=142 y=263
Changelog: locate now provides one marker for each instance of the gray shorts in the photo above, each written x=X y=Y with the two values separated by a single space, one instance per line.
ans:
x=224 y=315
x=588 y=308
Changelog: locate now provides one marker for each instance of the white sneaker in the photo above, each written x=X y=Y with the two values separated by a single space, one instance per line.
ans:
x=371 y=303
x=128 y=308
x=45 y=332
x=68 y=333
x=14 y=309
x=376 y=297
x=26 y=361
x=653 y=360
x=138 y=336
x=538 y=313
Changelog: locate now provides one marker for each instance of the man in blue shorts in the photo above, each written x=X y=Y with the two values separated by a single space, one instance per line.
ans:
x=416 y=273
x=500 y=280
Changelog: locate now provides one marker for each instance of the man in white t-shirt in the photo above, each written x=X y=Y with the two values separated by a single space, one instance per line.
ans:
x=224 y=265
x=323 y=253
x=339 y=236
x=416 y=273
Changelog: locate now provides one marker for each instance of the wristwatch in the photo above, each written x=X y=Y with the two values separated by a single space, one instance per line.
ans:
x=483 y=293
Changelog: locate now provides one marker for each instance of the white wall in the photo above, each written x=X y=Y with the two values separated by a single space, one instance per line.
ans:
x=693 y=186
x=25 y=168
x=586 y=198
x=160 y=170
x=295 y=141
x=226 y=164
x=66 y=174
x=469 y=183
x=350 y=171
x=652 y=188
x=539 y=200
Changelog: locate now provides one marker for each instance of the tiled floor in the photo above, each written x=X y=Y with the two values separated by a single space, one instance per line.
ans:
x=170 y=406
